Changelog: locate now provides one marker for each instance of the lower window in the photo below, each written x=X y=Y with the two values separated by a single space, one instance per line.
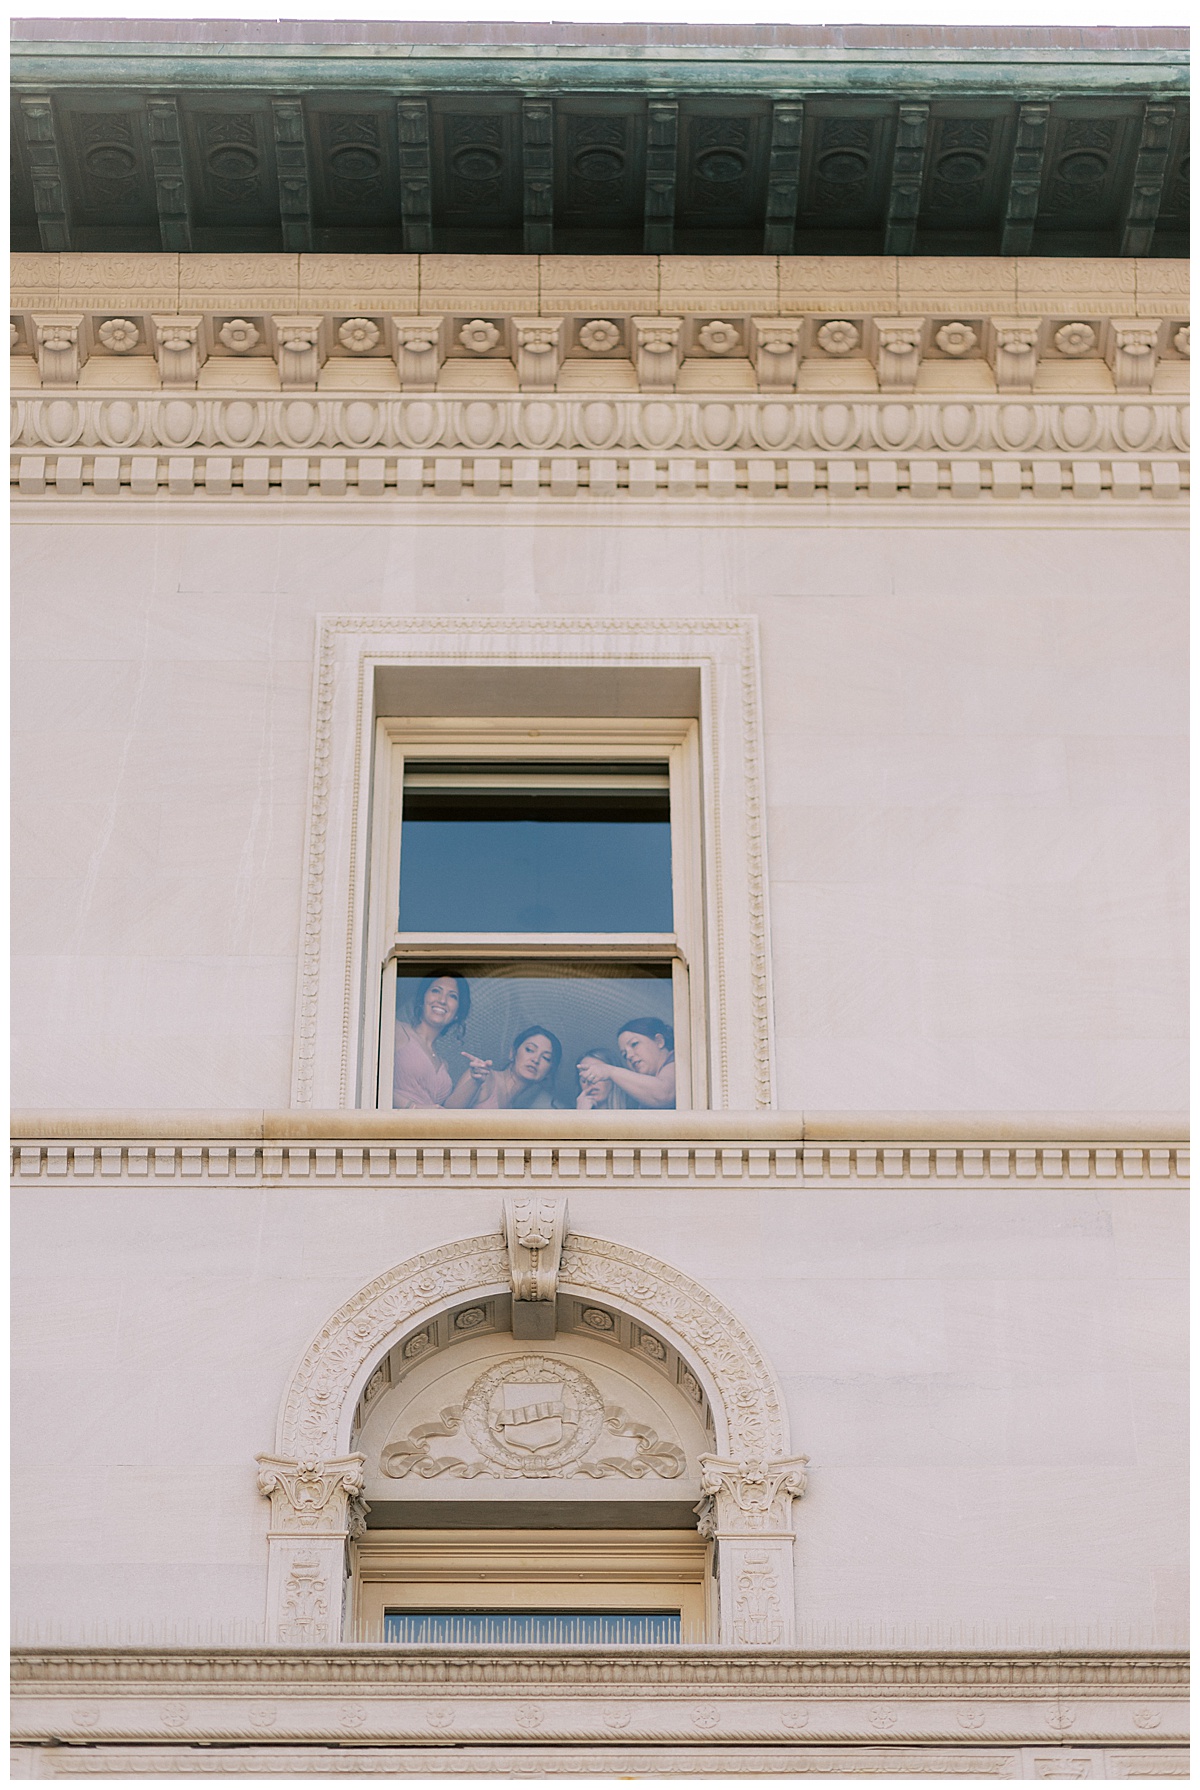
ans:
x=586 y=1036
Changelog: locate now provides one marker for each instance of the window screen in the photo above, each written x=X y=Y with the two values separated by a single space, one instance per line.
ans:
x=536 y=847
x=553 y=1628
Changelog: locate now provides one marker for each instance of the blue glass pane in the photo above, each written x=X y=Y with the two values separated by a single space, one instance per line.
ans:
x=532 y=1025
x=535 y=864
x=552 y=1628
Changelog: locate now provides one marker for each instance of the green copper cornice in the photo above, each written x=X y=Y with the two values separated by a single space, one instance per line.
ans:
x=652 y=69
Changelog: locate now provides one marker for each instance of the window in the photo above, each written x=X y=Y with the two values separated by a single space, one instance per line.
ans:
x=565 y=1587
x=540 y=896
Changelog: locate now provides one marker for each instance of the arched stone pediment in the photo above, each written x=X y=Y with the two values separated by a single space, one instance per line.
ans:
x=316 y=1421
x=460 y=1409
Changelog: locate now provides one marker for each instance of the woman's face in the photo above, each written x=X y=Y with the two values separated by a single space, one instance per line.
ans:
x=441 y=1001
x=645 y=1056
x=533 y=1058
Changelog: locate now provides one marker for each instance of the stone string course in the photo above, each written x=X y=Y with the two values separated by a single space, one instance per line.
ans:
x=76 y=1712
x=792 y=1761
x=249 y=1163
x=604 y=448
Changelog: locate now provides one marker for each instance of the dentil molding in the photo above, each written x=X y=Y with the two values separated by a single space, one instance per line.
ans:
x=1018 y=446
x=101 y=1163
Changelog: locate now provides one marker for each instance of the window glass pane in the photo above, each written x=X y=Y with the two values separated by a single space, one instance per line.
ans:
x=544 y=849
x=563 y=1628
x=513 y=1035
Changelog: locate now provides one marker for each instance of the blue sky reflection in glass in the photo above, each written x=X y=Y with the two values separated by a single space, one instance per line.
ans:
x=537 y=848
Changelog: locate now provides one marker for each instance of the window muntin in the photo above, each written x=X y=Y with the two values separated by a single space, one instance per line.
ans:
x=589 y=797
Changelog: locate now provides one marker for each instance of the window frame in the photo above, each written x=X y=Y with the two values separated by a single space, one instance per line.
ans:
x=502 y=1569
x=607 y=740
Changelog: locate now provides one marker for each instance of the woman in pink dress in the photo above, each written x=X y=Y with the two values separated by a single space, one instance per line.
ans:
x=419 y=1076
x=526 y=1080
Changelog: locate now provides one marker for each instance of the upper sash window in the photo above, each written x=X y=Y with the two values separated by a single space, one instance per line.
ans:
x=521 y=847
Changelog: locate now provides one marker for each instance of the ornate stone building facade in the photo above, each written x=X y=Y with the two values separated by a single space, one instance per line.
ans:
x=764 y=480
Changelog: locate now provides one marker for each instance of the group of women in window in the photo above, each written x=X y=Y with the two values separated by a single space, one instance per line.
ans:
x=638 y=1072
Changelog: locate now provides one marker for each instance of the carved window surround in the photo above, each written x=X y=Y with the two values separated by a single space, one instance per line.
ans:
x=334 y=1003
x=314 y=1480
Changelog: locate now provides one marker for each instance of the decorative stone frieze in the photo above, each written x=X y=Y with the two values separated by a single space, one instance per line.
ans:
x=376 y=1711
x=670 y=448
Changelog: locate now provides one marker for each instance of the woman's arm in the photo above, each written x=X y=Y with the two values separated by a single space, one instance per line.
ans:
x=470 y=1084
x=648 y=1090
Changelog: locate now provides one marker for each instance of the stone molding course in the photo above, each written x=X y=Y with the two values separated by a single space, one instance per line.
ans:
x=608 y=1761
x=591 y=285
x=994 y=1714
x=93 y=1161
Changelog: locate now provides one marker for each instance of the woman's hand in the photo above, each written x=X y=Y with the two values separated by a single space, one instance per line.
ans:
x=593 y=1070
x=479 y=1067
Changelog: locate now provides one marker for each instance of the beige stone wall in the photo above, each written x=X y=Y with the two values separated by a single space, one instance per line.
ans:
x=972 y=726
x=987 y=1382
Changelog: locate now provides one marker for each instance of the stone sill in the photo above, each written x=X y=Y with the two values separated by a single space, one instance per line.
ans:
x=307 y=1124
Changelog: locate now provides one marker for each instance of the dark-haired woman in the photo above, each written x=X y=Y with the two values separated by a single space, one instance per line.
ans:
x=419 y=1076
x=526 y=1080
x=648 y=1049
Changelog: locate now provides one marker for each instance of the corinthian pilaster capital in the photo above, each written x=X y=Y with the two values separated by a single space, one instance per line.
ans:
x=750 y=1497
x=312 y=1497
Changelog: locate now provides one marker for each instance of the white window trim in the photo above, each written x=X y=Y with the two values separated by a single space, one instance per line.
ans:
x=530 y=738
x=337 y=992
x=554 y=1569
